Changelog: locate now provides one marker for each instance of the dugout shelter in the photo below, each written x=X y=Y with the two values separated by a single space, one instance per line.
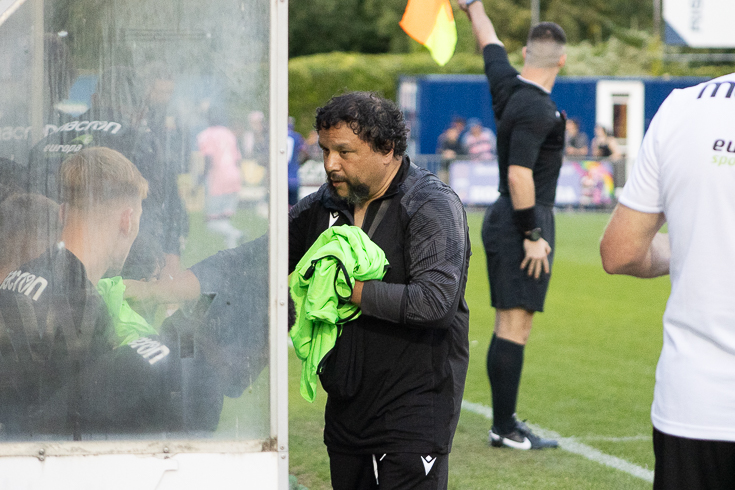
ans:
x=163 y=66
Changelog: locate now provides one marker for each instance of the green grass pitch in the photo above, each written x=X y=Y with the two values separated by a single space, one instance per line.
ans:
x=588 y=375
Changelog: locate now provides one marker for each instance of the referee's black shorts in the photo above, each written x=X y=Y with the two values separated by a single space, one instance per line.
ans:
x=511 y=287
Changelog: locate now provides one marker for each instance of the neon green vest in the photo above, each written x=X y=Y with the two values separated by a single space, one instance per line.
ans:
x=321 y=286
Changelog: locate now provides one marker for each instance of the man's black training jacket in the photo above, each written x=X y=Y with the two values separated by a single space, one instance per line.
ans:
x=396 y=376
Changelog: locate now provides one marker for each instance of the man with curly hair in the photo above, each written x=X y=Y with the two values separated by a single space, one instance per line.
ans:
x=396 y=375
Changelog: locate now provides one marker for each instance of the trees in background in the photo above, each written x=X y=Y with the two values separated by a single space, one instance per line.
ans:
x=371 y=26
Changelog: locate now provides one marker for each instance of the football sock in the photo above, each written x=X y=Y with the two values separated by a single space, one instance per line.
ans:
x=504 y=365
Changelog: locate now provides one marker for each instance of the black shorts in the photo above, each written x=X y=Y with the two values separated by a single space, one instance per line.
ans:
x=511 y=287
x=390 y=471
x=692 y=464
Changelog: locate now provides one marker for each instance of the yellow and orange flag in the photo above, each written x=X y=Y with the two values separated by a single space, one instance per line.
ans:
x=431 y=22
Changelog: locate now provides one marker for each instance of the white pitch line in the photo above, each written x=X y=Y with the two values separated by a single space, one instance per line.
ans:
x=614 y=439
x=571 y=445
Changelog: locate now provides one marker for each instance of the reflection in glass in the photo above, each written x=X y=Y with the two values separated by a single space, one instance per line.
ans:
x=182 y=351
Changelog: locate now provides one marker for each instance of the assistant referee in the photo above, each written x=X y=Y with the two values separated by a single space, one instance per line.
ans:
x=518 y=230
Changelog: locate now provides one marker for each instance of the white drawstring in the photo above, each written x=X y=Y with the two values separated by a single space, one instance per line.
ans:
x=375 y=467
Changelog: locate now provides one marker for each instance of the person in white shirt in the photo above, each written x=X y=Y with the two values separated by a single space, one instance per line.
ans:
x=685 y=176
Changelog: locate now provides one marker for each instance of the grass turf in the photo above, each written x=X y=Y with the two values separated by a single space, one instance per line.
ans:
x=588 y=373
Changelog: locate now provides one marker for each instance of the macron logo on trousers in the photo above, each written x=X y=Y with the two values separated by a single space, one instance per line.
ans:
x=428 y=463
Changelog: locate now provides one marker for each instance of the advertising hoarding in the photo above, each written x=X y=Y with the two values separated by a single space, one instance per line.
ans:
x=699 y=23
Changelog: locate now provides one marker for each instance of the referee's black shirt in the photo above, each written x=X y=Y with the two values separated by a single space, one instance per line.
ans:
x=530 y=128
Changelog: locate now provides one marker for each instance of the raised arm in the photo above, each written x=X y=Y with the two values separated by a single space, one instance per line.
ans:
x=482 y=27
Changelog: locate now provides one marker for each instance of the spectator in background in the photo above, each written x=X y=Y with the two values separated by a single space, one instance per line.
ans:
x=577 y=143
x=479 y=142
x=295 y=144
x=254 y=148
x=255 y=138
x=604 y=145
x=450 y=145
x=460 y=124
x=219 y=146
x=311 y=172
x=311 y=150
x=451 y=138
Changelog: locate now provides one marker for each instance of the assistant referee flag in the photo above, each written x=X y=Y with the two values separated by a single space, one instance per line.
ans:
x=431 y=22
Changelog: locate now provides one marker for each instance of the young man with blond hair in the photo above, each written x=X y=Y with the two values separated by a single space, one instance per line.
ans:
x=101 y=194
x=65 y=375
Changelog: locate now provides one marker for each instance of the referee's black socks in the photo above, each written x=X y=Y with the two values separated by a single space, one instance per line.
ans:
x=504 y=365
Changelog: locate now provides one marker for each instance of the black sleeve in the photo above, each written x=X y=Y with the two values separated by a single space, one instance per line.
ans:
x=232 y=333
x=500 y=75
x=225 y=268
x=177 y=220
x=130 y=387
x=530 y=129
x=299 y=220
x=436 y=244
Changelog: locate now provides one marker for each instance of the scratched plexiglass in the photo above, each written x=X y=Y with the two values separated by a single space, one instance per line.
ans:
x=122 y=318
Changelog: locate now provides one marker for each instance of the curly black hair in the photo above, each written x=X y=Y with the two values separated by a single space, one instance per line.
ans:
x=374 y=119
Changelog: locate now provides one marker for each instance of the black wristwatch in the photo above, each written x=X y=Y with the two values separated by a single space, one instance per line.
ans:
x=534 y=234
